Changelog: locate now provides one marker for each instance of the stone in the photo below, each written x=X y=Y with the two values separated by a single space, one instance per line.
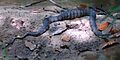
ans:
x=30 y=45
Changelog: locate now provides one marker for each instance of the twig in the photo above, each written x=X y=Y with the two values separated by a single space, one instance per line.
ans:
x=34 y=3
x=28 y=5
x=56 y=4
x=51 y=10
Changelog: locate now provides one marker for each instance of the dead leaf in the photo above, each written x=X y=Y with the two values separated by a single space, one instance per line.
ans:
x=113 y=30
x=103 y=26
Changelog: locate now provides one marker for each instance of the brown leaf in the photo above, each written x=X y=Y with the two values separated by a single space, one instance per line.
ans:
x=83 y=5
x=103 y=26
x=113 y=30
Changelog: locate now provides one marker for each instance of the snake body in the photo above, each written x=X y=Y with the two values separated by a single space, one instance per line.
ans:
x=68 y=15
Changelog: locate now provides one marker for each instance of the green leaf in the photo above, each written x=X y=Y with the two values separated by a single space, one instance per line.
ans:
x=114 y=9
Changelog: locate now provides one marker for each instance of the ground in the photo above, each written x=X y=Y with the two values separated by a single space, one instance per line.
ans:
x=72 y=44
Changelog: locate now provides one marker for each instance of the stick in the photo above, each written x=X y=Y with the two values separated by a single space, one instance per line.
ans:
x=34 y=3
x=57 y=4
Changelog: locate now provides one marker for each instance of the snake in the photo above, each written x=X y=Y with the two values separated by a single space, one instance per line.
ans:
x=68 y=14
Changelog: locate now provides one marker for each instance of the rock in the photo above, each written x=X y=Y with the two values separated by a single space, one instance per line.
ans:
x=76 y=39
x=30 y=45
x=20 y=22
